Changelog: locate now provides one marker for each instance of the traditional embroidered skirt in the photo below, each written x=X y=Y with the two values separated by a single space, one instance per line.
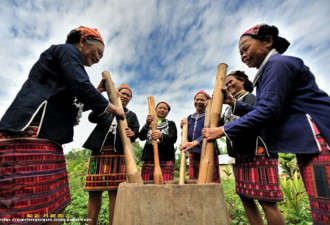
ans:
x=33 y=177
x=148 y=168
x=194 y=160
x=257 y=178
x=315 y=171
x=105 y=171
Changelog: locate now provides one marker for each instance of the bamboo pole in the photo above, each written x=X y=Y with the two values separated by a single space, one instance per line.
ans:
x=184 y=138
x=207 y=164
x=158 y=176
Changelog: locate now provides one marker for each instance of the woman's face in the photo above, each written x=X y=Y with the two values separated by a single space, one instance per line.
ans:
x=234 y=85
x=125 y=96
x=253 y=51
x=91 y=51
x=200 y=102
x=162 y=110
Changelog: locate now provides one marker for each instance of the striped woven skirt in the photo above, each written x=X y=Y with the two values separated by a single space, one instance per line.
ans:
x=315 y=171
x=257 y=178
x=105 y=171
x=148 y=167
x=194 y=161
x=33 y=178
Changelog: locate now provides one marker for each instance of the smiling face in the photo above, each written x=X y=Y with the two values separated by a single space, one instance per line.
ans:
x=125 y=96
x=162 y=110
x=200 y=102
x=234 y=85
x=254 y=51
x=91 y=51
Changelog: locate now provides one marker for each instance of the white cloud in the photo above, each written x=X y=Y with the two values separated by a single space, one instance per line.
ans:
x=169 y=49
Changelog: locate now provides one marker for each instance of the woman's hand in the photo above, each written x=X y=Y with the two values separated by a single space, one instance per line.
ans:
x=117 y=111
x=185 y=146
x=183 y=122
x=228 y=98
x=149 y=119
x=212 y=133
x=101 y=87
x=129 y=132
x=155 y=135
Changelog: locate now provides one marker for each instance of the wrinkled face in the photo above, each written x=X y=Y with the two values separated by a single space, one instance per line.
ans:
x=200 y=102
x=162 y=110
x=125 y=96
x=91 y=51
x=234 y=85
x=253 y=51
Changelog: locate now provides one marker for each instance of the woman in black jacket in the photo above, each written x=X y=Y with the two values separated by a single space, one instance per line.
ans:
x=166 y=135
x=107 y=163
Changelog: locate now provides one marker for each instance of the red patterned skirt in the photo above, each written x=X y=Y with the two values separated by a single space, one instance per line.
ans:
x=148 y=168
x=257 y=178
x=315 y=171
x=194 y=161
x=105 y=171
x=33 y=178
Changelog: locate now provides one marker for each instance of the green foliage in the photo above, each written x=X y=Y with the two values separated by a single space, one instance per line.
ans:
x=228 y=170
x=138 y=150
x=288 y=164
x=295 y=206
x=77 y=165
x=236 y=210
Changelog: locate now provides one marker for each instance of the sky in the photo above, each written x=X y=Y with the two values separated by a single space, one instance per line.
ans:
x=168 y=49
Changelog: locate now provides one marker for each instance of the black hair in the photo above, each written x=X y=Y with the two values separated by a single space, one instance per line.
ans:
x=279 y=43
x=240 y=75
x=73 y=37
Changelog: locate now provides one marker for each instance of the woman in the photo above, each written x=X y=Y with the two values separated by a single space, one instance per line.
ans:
x=291 y=111
x=166 y=135
x=195 y=139
x=265 y=187
x=33 y=178
x=107 y=164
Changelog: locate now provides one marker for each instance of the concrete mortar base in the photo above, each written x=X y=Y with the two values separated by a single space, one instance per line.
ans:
x=170 y=204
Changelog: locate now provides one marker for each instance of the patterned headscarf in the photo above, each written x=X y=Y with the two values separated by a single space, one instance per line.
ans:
x=261 y=30
x=204 y=93
x=168 y=105
x=125 y=86
x=83 y=32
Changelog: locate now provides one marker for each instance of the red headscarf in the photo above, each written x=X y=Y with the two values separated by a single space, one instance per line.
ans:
x=261 y=30
x=83 y=32
x=204 y=93
x=93 y=33
x=125 y=86
x=168 y=105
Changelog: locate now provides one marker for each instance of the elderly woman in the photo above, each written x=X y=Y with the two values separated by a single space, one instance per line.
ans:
x=265 y=187
x=166 y=135
x=107 y=164
x=33 y=172
x=291 y=111
x=195 y=139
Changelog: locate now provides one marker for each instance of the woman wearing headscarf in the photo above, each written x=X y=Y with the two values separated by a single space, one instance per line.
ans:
x=166 y=135
x=106 y=168
x=195 y=139
x=256 y=172
x=291 y=112
x=33 y=177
